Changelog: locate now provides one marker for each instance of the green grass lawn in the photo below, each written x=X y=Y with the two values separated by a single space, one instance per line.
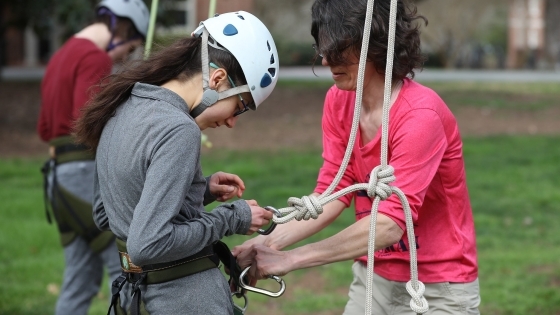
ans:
x=527 y=96
x=513 y=182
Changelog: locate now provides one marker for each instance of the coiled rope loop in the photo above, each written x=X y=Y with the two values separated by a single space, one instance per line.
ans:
x=307 y=207
x=379 y=181
x=310 y=207
x=418 y=302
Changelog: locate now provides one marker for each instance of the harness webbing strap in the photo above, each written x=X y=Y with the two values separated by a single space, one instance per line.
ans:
x=224 y=253
x=116 y=288
x=71 y=213
x=136 y=293
x=208 y=258
x=66 y=150
x=70 y=147
x=46 y=169
x=163 y=272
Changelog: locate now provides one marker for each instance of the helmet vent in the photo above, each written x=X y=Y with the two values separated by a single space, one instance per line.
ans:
x=267 y=44
x=272 y=71
x=271 y=59
x=241 y=17
x=230 y=30
x=266 y=80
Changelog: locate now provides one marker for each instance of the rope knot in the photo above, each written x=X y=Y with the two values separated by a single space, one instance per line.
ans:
x=307 y=207
x=379 y=181
x=418 y=303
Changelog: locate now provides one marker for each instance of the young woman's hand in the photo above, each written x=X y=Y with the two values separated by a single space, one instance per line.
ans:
x=259 y=217
x=225 y=186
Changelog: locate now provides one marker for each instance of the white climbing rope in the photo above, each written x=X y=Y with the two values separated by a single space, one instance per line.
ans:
x=381 y=176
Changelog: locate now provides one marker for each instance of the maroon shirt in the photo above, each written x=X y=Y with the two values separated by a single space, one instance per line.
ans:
x=66 y=85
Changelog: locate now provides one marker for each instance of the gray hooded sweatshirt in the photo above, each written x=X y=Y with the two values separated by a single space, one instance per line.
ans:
x=150 y=191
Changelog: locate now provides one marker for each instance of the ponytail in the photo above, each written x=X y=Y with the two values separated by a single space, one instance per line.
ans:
x=180 y=60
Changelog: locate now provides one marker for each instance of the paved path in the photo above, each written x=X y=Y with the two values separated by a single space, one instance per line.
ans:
x=323 y=73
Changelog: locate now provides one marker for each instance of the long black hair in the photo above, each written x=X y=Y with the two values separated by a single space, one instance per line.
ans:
x=338 y=28
x=181 y=60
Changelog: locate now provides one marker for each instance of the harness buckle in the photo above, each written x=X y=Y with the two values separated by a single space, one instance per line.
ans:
x=236 y=308
x=117 y=284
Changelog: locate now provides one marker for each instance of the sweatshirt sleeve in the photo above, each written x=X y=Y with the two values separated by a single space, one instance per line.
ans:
x=208 y=197
x=154 y=236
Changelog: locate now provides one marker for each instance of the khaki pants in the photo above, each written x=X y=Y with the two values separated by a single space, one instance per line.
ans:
x=391 y=297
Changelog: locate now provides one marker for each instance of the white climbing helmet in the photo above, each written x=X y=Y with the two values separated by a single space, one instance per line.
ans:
x=249 y=41
x=135 y=10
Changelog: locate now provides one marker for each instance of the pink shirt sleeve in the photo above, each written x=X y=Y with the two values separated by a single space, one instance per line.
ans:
x=334 y=147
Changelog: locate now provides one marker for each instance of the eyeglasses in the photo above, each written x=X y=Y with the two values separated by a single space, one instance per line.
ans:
x=246 y=106
x=317 y=51
x=321 y=54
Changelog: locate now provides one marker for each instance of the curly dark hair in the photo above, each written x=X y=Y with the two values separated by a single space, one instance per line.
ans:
x=338 y=25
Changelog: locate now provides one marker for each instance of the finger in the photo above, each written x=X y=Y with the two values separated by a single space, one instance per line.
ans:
x=252 y=203
x=215 y=178
x=236 y=180
x=233 y=179
x=243 y=250
x=253 y=273
x=252 y=281
x=225 y=197
x=236 y=251
x=224 y=190
x=267 y=214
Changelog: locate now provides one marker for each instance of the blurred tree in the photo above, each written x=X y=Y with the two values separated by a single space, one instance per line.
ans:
x=552 y=40
x=71 y=15
x=462 y=30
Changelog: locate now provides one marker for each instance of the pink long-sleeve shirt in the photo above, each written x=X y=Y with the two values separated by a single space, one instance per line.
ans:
x=425 y=149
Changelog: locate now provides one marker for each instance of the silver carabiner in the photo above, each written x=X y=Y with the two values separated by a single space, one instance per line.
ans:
x=236 y=308
x=272 y=225
x=259 y=290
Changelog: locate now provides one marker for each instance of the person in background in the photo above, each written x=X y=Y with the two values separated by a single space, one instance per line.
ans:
x=73 y=71
x=145 y=125
x=425 y=150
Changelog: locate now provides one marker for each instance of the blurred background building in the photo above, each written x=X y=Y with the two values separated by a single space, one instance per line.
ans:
x=497 y=34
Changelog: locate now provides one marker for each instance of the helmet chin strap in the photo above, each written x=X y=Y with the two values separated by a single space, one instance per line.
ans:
x=210 y=96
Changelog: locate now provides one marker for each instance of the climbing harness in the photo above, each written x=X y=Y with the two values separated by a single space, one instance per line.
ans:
x=72 y=214
x=208 y=258
x=381 y=176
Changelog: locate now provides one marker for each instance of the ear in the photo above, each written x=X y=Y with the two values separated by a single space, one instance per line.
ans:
x=217 y=78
